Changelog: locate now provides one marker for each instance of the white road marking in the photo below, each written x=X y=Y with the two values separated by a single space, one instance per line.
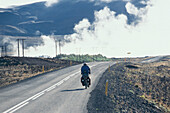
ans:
x=38 y=96
x=66 y=78
x=19 y=107
x=48 y=89
x=16 y=106
x=34 y=97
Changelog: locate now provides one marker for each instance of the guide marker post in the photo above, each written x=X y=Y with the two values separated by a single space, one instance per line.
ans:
x=106 y=88
x=109 y=68
x=43 y=68
x=71 y=63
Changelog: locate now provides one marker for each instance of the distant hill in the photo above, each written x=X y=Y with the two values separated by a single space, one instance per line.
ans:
x=59 y=19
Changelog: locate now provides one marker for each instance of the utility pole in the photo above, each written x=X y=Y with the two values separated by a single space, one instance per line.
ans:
x=60 y=46
x=18 y=47
x=93 y=57
x=77 y=55
x=5 y=49
x=2 y=51
x=93 y=54
x=80 y=54
x=23 y=47
x=56 y=47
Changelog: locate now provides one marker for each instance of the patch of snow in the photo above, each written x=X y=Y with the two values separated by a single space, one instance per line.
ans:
x=34 y=22
x=20 y=30
x=33 y=17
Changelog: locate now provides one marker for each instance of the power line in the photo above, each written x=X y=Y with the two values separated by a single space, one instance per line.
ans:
x=60 y=47
x=4 y=50
x=18 y=47
x=22 y=47
x=56 y=47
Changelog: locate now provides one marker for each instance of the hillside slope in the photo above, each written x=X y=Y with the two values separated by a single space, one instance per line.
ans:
x=60 y=19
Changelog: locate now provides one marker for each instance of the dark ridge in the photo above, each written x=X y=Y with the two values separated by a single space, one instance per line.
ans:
x=132 y=66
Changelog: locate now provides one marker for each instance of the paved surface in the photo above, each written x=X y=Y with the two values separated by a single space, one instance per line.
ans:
x=55 y=92
x=154 y=59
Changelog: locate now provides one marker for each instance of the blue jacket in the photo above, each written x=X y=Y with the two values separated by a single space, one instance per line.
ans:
x=85 y=70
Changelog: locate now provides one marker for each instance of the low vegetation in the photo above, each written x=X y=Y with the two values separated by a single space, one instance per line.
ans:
x=83 y=58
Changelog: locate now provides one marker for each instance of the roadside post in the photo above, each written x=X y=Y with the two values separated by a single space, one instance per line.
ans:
x=109 y=68
x=129 y=54
x=106 y=88
x=43 y=68
x=71 y=63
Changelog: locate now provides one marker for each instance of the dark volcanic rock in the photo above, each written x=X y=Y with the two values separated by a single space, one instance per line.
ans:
x=123 y=96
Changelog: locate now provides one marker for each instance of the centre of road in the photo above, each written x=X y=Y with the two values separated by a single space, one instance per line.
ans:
x=34 y=97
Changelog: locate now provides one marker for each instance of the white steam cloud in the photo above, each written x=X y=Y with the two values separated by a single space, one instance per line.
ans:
x=46 y=49
x=110 y=35
x=131 y=9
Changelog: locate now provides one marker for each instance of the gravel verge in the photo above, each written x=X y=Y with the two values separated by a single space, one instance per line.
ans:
x=131 y=90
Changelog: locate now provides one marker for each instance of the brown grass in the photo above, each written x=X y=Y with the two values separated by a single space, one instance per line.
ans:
x=13 y=69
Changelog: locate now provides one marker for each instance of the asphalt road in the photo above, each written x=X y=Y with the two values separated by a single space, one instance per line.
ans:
x=55 y=92
x=154 y=59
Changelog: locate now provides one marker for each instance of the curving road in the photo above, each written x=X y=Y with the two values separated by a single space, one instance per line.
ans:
x=153 y=59
x=54 y=92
